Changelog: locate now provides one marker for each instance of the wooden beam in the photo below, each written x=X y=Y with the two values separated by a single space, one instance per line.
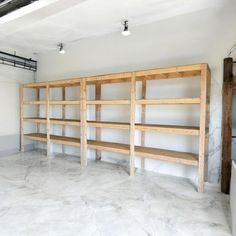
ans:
x=98 y=117
x=48 y=119
x=143 y=119
x=202 y=137
x=166 y=101
x=63 y=110
x=83 y=120
x=132 y=124
x=21 y=97
x=227 y=125
x=38 y=108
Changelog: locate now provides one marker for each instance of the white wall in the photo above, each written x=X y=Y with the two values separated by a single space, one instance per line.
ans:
x=204 y=36
x=10 y=79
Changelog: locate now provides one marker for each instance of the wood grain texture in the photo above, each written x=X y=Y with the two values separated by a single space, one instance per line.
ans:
x=63 y=114
x=132 y=124
x=48 y=119
x=227 y=100
x=148 y=152
x=98 y=117
x=143 y=119
x=21 y=98
x=83 y=126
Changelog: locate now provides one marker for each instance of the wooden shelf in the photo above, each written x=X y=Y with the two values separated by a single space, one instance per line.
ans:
x=173 y=129
x=153 y=153
x=202 y=71
x=108 y=102
x=166 y=101
x=55 y=102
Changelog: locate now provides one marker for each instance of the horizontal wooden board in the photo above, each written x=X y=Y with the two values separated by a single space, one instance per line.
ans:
x=160 y=73
x=153 y=153
x=55 y=102
x=166 y=101
x=108 y=102
x=172 y=129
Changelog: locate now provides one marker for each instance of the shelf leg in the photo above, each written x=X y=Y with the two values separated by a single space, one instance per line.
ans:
x=83 y=127
x=98 y=117
x=202 y=168
x=132 y=124
x=48 y=120
x=21 y=93
x=63 y=116
x=143 y=120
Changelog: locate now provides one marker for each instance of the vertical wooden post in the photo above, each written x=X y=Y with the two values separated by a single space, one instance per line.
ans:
x=83 y=122
x=143 y=120
x=202 y=136
x=38 y=108
x=132 y=124
x=48 y=119
x=21 y=97
x=227 y=125
x=63 y=116
x=98 y=117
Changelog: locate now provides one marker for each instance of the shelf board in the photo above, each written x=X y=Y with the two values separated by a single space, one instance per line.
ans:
x=168 y=101
x=151 y=74
x=108 y=102
x=172 y=129
x=153 y=153
x=55 y=102
x=35 y=102
x=68 y=102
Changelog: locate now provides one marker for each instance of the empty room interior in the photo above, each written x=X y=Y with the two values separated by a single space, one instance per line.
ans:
x=117 y=118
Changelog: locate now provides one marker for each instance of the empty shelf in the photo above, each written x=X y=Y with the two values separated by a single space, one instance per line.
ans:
x=153 y=153
x=166 y=101
x=172 y=129
x=68 y=102
x=108 y=102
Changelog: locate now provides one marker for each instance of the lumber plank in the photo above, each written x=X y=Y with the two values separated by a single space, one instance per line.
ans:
x=108 y=102
x=132 y=124
x=48 y=120
x=83 y=126
x=148 y=152
x=143 y=119
x=166 y=101
x=227 y=99
x=21 y=98
x=63 y=111
x=172 y=129
x=202 y=137
x=98 y=117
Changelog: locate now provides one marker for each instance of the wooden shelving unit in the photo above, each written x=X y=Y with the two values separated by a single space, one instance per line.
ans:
x=194 y=159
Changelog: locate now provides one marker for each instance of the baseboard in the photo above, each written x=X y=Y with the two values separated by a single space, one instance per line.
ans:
x=27 y=147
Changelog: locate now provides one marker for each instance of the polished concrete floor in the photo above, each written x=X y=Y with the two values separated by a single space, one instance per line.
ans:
x=41 y=196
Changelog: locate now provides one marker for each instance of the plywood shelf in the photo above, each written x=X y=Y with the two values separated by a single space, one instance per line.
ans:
x=201 y=71
x=173 y=129
x=55 y=102
x=108 y=102
x=153 y=153
x=170 y=101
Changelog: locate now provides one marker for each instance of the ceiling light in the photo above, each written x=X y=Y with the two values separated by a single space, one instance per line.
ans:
x=125 y=31
x=61 y=48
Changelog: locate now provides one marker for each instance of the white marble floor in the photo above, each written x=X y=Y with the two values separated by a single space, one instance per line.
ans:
x=40 y=196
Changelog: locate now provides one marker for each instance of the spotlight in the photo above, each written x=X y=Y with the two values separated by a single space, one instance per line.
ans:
x=125 y=31
x=61 y=48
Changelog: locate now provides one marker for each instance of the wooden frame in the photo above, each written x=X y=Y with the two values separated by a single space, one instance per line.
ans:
x=199 y=160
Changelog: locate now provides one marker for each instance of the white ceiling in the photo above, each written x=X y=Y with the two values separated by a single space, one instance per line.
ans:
x=41 y=25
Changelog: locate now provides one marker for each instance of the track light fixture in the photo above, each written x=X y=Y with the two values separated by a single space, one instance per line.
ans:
x=125 y=31
x=61 y=48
